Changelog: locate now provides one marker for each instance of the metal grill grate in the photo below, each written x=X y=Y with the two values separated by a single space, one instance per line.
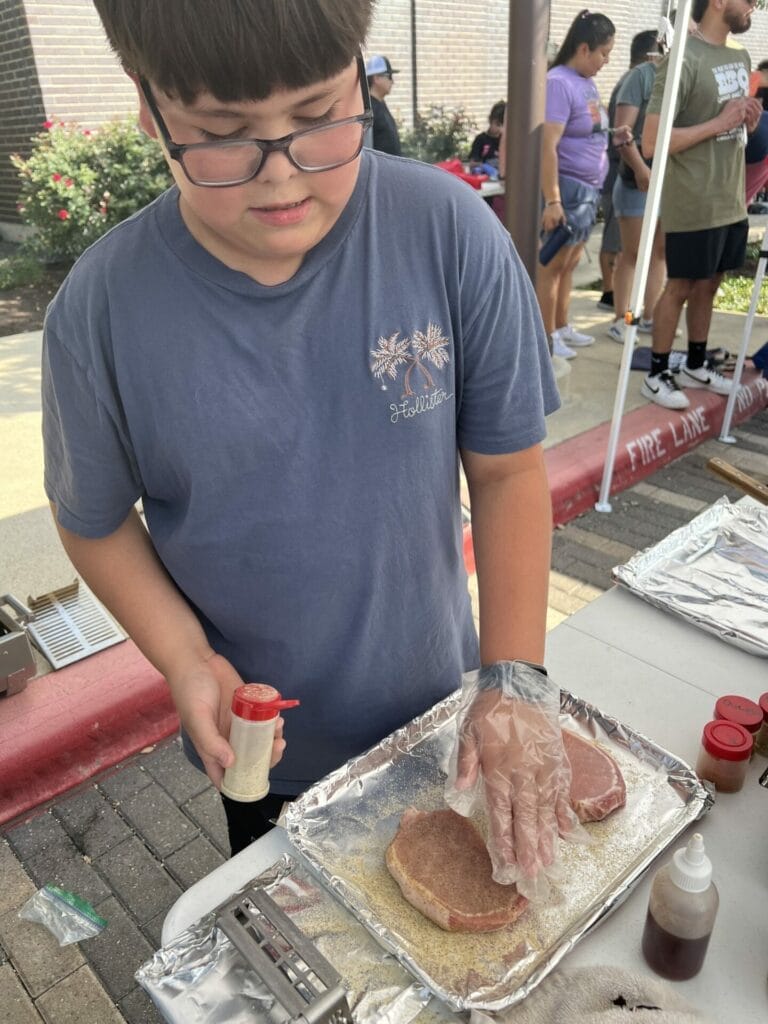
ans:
x=70 y=624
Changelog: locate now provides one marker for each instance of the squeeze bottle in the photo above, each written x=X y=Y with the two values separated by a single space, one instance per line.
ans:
x=681 y=913
x=255 y=708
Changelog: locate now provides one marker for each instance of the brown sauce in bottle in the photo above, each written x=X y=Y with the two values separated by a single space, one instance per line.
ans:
x=670 y=956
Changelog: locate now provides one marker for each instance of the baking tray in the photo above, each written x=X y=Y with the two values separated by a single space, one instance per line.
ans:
x=713 y=573
x=343 y=825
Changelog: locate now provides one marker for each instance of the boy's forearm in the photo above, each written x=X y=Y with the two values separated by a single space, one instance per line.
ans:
x=126 y=575
x=511 y=532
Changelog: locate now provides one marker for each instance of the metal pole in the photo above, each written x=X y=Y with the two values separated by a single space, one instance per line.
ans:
x=526 y=94
x=650 y=218
x=725 y=430
x=414 y=84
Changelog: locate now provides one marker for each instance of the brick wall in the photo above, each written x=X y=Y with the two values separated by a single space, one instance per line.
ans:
x=21 y=103
x=54 y=63
x=461 y=47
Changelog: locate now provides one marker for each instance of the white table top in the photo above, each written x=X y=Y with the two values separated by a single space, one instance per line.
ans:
x=661 y=677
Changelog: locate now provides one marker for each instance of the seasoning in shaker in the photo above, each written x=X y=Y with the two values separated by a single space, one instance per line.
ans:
x=255 y=708
x=724 y=755
x=740 y=710
x=761 y=739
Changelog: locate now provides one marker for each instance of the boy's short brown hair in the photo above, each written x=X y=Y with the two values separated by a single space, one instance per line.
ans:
x=235 y=49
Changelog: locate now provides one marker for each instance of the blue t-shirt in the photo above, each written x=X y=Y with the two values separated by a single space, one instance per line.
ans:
x=295 y=446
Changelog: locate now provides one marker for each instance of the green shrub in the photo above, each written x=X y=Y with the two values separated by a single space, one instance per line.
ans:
x=20 y=269
x=440 y=134
x=77 y=184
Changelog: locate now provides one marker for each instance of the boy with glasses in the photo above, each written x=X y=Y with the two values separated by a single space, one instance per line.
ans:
x=284 y=357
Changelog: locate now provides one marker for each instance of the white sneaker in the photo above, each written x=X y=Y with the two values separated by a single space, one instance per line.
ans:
x=663 y=390
x=573 y=337
x=559 y=348
x=704 y=378
x=646 y=327
x=615 y=333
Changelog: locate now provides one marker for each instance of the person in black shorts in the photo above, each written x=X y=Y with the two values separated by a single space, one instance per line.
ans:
x=703 y=212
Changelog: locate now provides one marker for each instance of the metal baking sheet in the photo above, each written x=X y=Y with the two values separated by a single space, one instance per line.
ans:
x=200 y=978
x=343 y=825
x=712 y=572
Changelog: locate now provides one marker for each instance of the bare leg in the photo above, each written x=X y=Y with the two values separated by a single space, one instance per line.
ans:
x=699 y=314
x=630 y=228
x=573 y=255
x=657 y=273
x=667 y=313
x=607 y=269
x=548 y=286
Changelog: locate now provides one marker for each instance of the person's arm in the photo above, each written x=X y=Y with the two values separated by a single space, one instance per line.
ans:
x=509 y=735
x=553 y=213
x=626 y=115
x=733 y=113
x=126 y=575
x=511 y=534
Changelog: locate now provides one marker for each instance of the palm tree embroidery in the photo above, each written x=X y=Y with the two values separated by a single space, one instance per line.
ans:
x=394 y=351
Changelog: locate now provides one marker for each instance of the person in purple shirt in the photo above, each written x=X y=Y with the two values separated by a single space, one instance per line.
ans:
x=574 y=163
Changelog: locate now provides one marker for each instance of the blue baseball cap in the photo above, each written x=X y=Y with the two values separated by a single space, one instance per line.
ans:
x=378 y=65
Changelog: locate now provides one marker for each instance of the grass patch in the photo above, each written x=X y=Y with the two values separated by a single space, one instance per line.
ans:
x=735 y=294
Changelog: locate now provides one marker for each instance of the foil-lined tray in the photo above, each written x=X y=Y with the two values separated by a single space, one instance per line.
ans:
x=712 y=572
x=200 y=978
x=343 y=825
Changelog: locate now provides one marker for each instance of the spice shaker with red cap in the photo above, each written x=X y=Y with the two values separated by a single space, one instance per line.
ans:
x=255 y=707
x=724 y=755
x=741 y=710
x=761 y=739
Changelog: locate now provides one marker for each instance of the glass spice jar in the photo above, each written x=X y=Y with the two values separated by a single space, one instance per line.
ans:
x=761 y=738
x=724 y=755
x=742 y=711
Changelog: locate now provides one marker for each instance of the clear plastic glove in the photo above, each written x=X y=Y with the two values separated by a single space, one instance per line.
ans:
x=509 y=750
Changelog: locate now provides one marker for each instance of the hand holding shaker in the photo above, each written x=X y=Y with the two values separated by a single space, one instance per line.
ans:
x=255 y=708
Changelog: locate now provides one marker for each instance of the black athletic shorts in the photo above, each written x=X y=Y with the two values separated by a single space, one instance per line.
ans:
x=696 y=255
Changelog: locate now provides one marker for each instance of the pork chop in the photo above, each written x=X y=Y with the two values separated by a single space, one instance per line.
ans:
x=597 y=785
x=440 y=861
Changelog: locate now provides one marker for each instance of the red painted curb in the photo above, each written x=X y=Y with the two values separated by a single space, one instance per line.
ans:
x=69 y=725
x=650 y=437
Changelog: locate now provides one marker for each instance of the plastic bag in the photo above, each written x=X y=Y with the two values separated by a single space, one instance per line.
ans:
x=68 y=917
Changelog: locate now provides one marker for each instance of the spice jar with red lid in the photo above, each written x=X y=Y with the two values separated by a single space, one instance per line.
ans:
x=724 y=755
x=740 y=710
x=761 y=737
x=255 y=708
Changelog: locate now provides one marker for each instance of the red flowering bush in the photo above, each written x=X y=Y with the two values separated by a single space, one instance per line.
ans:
x=76 y=184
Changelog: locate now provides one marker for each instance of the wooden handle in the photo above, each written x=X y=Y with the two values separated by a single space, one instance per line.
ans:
x=754 y=488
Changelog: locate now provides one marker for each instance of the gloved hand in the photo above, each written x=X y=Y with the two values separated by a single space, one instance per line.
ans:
x=509 y=749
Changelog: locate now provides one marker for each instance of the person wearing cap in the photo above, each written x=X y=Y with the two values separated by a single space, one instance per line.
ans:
x=385 y=135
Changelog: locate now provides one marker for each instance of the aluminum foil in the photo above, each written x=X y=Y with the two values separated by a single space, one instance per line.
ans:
x=712 y=572
x=200 y=978
x=344 y=823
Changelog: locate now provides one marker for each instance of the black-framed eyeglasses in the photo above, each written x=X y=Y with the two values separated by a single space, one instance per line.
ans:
x=236 y=161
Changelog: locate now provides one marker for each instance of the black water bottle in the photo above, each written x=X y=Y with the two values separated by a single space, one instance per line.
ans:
x=554 y=242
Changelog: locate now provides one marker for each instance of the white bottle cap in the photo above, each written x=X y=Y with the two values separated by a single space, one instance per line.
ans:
x=690 y=868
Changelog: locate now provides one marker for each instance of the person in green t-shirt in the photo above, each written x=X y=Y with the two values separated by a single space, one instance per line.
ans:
x=703 y=212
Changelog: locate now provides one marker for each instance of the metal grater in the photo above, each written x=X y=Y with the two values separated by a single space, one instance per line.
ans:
x=302 y=981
